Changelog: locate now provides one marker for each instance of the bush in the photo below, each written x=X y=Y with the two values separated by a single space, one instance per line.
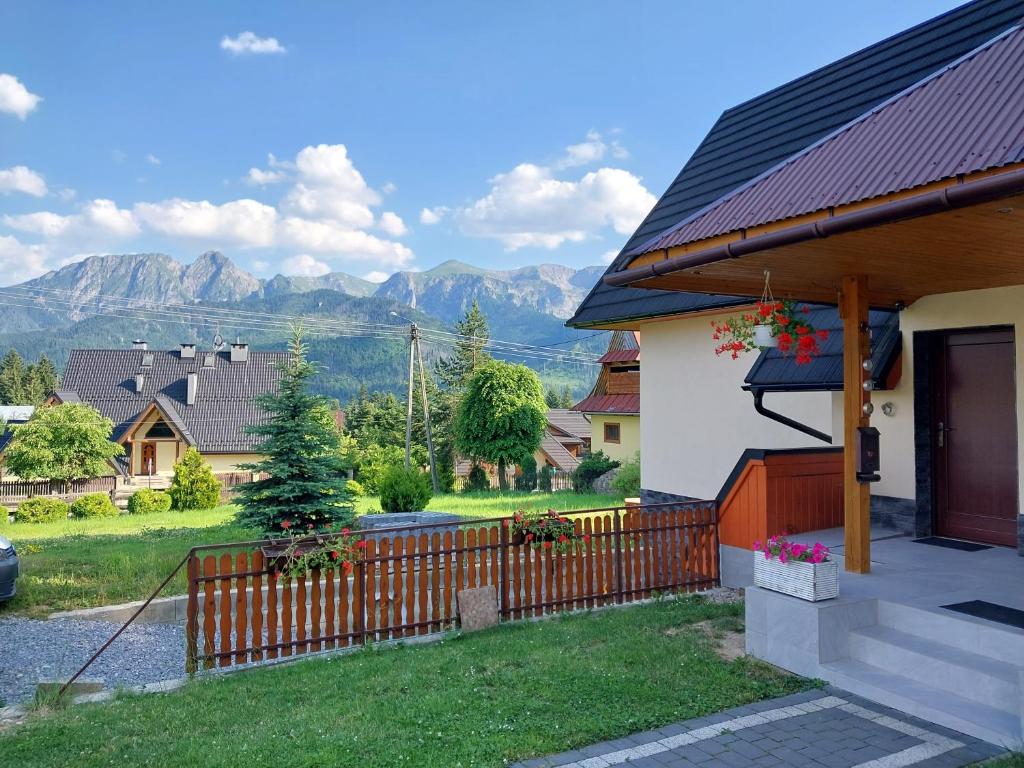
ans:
x=194 y=486
x=404 y=490
x=477 y=480
x=374 y=463
x=148 y=502
x=627 y=482
x=93 y=505
x=546 y=473
x=354 y=488
x=41 y=509
x=590 y=468
x=526 y=480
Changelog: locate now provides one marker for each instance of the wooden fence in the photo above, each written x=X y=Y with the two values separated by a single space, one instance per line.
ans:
x=242 y=611
x=22 y=489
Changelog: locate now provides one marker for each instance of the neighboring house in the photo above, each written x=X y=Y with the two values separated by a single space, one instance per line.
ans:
x=567 y=438
x=892 y=183
x=11 y=415
x=613 y=405
x=164 y=402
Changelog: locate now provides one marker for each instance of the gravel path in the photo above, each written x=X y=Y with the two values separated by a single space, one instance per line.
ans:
x=31 y=650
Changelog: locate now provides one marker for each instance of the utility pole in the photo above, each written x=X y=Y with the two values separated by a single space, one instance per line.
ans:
x=408 y=409
x=426 y=410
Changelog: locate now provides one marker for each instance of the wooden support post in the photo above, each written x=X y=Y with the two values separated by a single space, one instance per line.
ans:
x=856 y=349
x=408 y=400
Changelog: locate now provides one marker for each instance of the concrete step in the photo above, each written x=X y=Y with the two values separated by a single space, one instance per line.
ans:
x=975 y=635
x=927 y=702
x=978 y=678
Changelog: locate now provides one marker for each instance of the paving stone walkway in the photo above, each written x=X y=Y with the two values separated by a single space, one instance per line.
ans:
x=827 y=727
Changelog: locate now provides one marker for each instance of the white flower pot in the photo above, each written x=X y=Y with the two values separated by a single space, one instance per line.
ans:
x=808 y=581
x=764 y=337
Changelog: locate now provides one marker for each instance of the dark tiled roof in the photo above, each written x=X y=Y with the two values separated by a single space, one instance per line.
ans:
x=559 y=455
x=225 y=392
x=773 y=371
x=758 y=134
x=609 y=404
x=966 y=118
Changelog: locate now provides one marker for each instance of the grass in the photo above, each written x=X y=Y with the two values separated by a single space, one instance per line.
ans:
x=506 y=694
x=102 y=561
x=1015 y=760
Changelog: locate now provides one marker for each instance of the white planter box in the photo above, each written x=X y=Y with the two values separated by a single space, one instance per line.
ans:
x=763 y=336
x=808 y=581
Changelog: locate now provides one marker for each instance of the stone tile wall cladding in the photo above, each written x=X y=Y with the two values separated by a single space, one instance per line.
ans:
x=1020 y=535
x=647 y=496
x=896 y=513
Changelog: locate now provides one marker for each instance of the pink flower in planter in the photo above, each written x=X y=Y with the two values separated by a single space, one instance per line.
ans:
x=783 y=556
x=757 y=545
x=798 y=549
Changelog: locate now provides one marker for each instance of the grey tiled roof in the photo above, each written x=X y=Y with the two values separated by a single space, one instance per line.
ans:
x=569 y=421
x=750 y=138
x=225 y=395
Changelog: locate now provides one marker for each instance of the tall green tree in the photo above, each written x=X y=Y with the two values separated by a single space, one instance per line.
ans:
x=566 y=399
x=501 y=417
x=69 y=441
x=469 y=352
x=304 y=488
x=12 y=379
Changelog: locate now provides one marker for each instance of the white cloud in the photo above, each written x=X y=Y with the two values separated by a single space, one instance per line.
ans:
x=305 y=265
x=152 y=159
x=257 y=177
x=331 y=237
x=239 y=222
x=609 y=256
x=391 y=224
x=19 y=262
x=529 y=207
x=15 y=98
x=592 y=150
x=376 y=276
x=118 y=155
x=431 y=216
x=97 y=221
x=250 y=43
x=22 y=179
x=330 y=187
x=389 y=187
x=67 y=194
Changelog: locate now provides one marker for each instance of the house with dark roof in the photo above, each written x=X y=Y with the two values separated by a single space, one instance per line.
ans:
x=889 y=184
x=163 y=402
x=613 y=405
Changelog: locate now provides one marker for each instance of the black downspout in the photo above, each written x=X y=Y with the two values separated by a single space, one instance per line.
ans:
x=759 y=407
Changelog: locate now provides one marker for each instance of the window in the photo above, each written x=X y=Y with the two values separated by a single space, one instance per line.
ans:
x=147 y=360
x=611 y=433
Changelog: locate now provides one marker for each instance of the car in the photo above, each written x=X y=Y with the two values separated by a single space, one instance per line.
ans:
x=9 y=566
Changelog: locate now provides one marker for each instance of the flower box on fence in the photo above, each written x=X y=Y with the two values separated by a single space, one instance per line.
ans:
x=796 y=569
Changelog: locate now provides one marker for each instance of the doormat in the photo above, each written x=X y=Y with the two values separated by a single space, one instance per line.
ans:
x=1002 y=614
x=963 y=546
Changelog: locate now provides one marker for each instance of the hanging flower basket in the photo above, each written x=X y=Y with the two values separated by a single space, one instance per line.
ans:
x=775 y=324
x=796 y=569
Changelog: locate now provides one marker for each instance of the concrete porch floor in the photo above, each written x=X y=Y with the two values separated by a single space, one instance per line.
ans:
x=888 y=639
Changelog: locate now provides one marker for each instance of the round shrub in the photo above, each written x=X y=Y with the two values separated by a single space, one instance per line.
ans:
x=354 y=488
x=148 y=502
x=404 y=490
x=194 y=485
x=93 y=505
x=477 y=480
x=589 y=469
x=627 y=482
x=41 y=509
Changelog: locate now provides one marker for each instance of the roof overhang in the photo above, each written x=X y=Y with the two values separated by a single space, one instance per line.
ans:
x=171 y=419
x=962 y=234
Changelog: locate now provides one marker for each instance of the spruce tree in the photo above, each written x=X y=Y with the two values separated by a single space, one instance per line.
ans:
x=12 y=379
x=304 y=488
x=469 y=354
x=47 y=374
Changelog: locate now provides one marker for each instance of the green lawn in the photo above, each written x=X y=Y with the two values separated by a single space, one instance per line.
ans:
x=84 y=563
x=513 y=692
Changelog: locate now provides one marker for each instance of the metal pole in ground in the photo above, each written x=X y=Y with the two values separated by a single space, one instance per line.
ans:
x=408 y=409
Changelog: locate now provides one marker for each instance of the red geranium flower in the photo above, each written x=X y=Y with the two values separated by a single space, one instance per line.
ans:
x=361 y=544
x=547 y=545
x=334 y=554
x=529 y=537
x=286 y=524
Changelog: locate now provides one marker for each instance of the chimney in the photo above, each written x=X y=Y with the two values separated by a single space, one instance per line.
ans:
x=139 y=344
x=188 y=351
x=191 y=386
x=140 y=379
x=239 y=352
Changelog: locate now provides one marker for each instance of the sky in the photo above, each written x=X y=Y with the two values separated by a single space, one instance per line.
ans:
x=371 y=137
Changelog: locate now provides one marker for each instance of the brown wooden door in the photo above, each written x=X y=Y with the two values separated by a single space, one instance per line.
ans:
x=975 y=436
x=148 y=459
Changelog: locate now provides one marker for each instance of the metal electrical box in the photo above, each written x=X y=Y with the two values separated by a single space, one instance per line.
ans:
x=868 y=457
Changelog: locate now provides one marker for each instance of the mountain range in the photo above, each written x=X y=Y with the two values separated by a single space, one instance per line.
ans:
x=109 y=300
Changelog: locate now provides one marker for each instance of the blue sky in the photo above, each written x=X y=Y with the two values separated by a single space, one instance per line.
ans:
x=377 y=136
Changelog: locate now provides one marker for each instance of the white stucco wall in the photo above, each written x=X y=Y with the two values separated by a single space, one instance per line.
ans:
x=695 y=420
x=968 y=309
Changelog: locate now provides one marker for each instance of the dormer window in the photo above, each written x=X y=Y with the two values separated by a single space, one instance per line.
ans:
x=147 y=360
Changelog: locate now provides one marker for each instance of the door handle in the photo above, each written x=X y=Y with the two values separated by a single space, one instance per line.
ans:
x=942 y=430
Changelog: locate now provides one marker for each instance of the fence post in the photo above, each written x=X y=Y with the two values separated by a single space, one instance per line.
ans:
x=716 y=566
x=503 y=568
x=192 y=616
x=617 y=530
x=359 y=598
